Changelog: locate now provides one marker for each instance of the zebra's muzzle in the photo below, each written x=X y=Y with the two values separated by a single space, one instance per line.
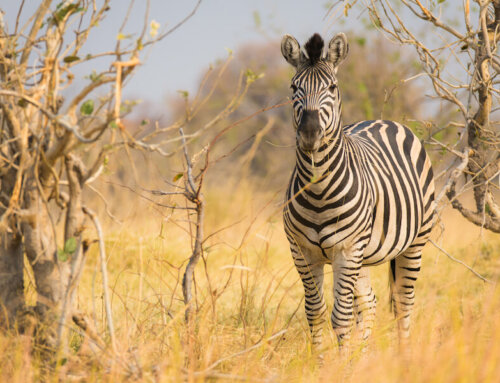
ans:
x=309 y=132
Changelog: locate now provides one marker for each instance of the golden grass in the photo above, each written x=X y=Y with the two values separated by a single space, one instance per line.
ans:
x=247 y=290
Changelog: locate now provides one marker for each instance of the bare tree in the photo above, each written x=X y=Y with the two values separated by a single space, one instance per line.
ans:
x=459 y=56
x=43 y=169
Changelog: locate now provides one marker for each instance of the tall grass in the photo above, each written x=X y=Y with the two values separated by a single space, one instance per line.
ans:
x=250 y=323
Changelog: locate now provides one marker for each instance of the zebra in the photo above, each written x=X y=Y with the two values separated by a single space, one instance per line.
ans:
x=359 y=196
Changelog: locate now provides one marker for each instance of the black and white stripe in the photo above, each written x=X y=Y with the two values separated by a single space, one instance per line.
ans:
x=359 y=196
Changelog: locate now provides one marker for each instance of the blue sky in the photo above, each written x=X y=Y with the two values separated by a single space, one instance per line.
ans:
x=178 y=61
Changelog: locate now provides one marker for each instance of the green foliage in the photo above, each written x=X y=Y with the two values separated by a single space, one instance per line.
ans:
x=183 y=93
x=122 y=36
x=70 y=59
x=94 y=76
x=140 y=45
x=87 y=107
x=22 y=103
x=69 y=248
x=154 y=27
x=177 y=177
x=62 y=256
x=70 y=245
x=257 y=20
x=252 y=76
x=62 y=12
x=361 y=41
x=128 y=105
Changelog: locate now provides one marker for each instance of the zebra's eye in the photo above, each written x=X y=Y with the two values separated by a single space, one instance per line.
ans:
x=294 y=88
x=332 y=87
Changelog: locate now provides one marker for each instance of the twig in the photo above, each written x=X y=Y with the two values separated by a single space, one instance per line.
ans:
x=76 y=268
x=459 y=261
x=165 y=34
x=188 y=163
x=61 y=120
x=102 y=256
x=257 y=345
x=196 y=197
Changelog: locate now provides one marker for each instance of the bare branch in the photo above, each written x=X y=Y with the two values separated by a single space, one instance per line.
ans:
x=459 y=261
x=61 y=120
x=104 y=272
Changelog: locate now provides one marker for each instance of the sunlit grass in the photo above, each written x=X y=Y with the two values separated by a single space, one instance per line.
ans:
x=247 y=290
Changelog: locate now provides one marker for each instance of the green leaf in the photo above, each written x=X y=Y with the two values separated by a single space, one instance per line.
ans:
x=256 y=19
x=70 y=59
x=184 y=93
x=140 y=45
x=252 y=76
x=154 y=28
x=361 y=41
x=178 y=176
x=62 y=256
x=441 y=1
x=87 y=107
x=61 y=12
x=121 y=36
x=94 y=76
x=70 y=245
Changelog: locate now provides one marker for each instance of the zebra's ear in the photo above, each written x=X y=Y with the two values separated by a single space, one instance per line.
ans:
x=337 y=50
x=290 y=49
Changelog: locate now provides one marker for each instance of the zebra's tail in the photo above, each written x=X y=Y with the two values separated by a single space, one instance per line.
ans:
x=392 y=279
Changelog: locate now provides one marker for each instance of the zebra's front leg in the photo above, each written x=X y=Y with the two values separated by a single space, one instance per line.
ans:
x=312 y=275
x=346 y=271
x=365 y=303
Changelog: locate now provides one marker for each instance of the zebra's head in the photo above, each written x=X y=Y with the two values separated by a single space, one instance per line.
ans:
x=316 y=98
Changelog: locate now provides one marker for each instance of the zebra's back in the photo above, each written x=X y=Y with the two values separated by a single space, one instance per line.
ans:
x=401 y=175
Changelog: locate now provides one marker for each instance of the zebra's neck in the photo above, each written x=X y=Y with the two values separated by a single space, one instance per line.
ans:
x=314 y=168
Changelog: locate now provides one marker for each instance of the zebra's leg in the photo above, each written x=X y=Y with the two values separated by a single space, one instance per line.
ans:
x=403 y=276
x=365 y=303
x=346 y=271
x=312 y=275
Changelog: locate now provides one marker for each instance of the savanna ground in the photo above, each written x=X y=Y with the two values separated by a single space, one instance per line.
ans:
x=250 y=323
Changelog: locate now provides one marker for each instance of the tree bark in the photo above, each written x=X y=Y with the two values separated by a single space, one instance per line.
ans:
x=11 y=279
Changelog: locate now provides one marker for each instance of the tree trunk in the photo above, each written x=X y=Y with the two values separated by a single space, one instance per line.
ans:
x=51 y=275
x=11 y=279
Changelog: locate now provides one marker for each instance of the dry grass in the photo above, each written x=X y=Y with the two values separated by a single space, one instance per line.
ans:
x=247 y=291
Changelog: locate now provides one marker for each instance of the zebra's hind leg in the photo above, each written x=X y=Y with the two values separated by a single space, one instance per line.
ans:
x=403 y=276
x=365 y=304
x=312 y=275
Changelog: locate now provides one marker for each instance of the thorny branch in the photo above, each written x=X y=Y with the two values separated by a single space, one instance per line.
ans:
x=51 y=147
x=475 y=54
x=460 y=262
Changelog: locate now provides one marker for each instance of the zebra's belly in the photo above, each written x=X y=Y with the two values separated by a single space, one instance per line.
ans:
x=392 y=233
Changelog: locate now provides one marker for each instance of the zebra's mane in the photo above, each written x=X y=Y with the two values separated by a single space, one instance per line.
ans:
x=314 y=48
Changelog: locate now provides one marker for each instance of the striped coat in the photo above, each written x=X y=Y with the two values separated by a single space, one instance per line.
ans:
x=359 y=196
